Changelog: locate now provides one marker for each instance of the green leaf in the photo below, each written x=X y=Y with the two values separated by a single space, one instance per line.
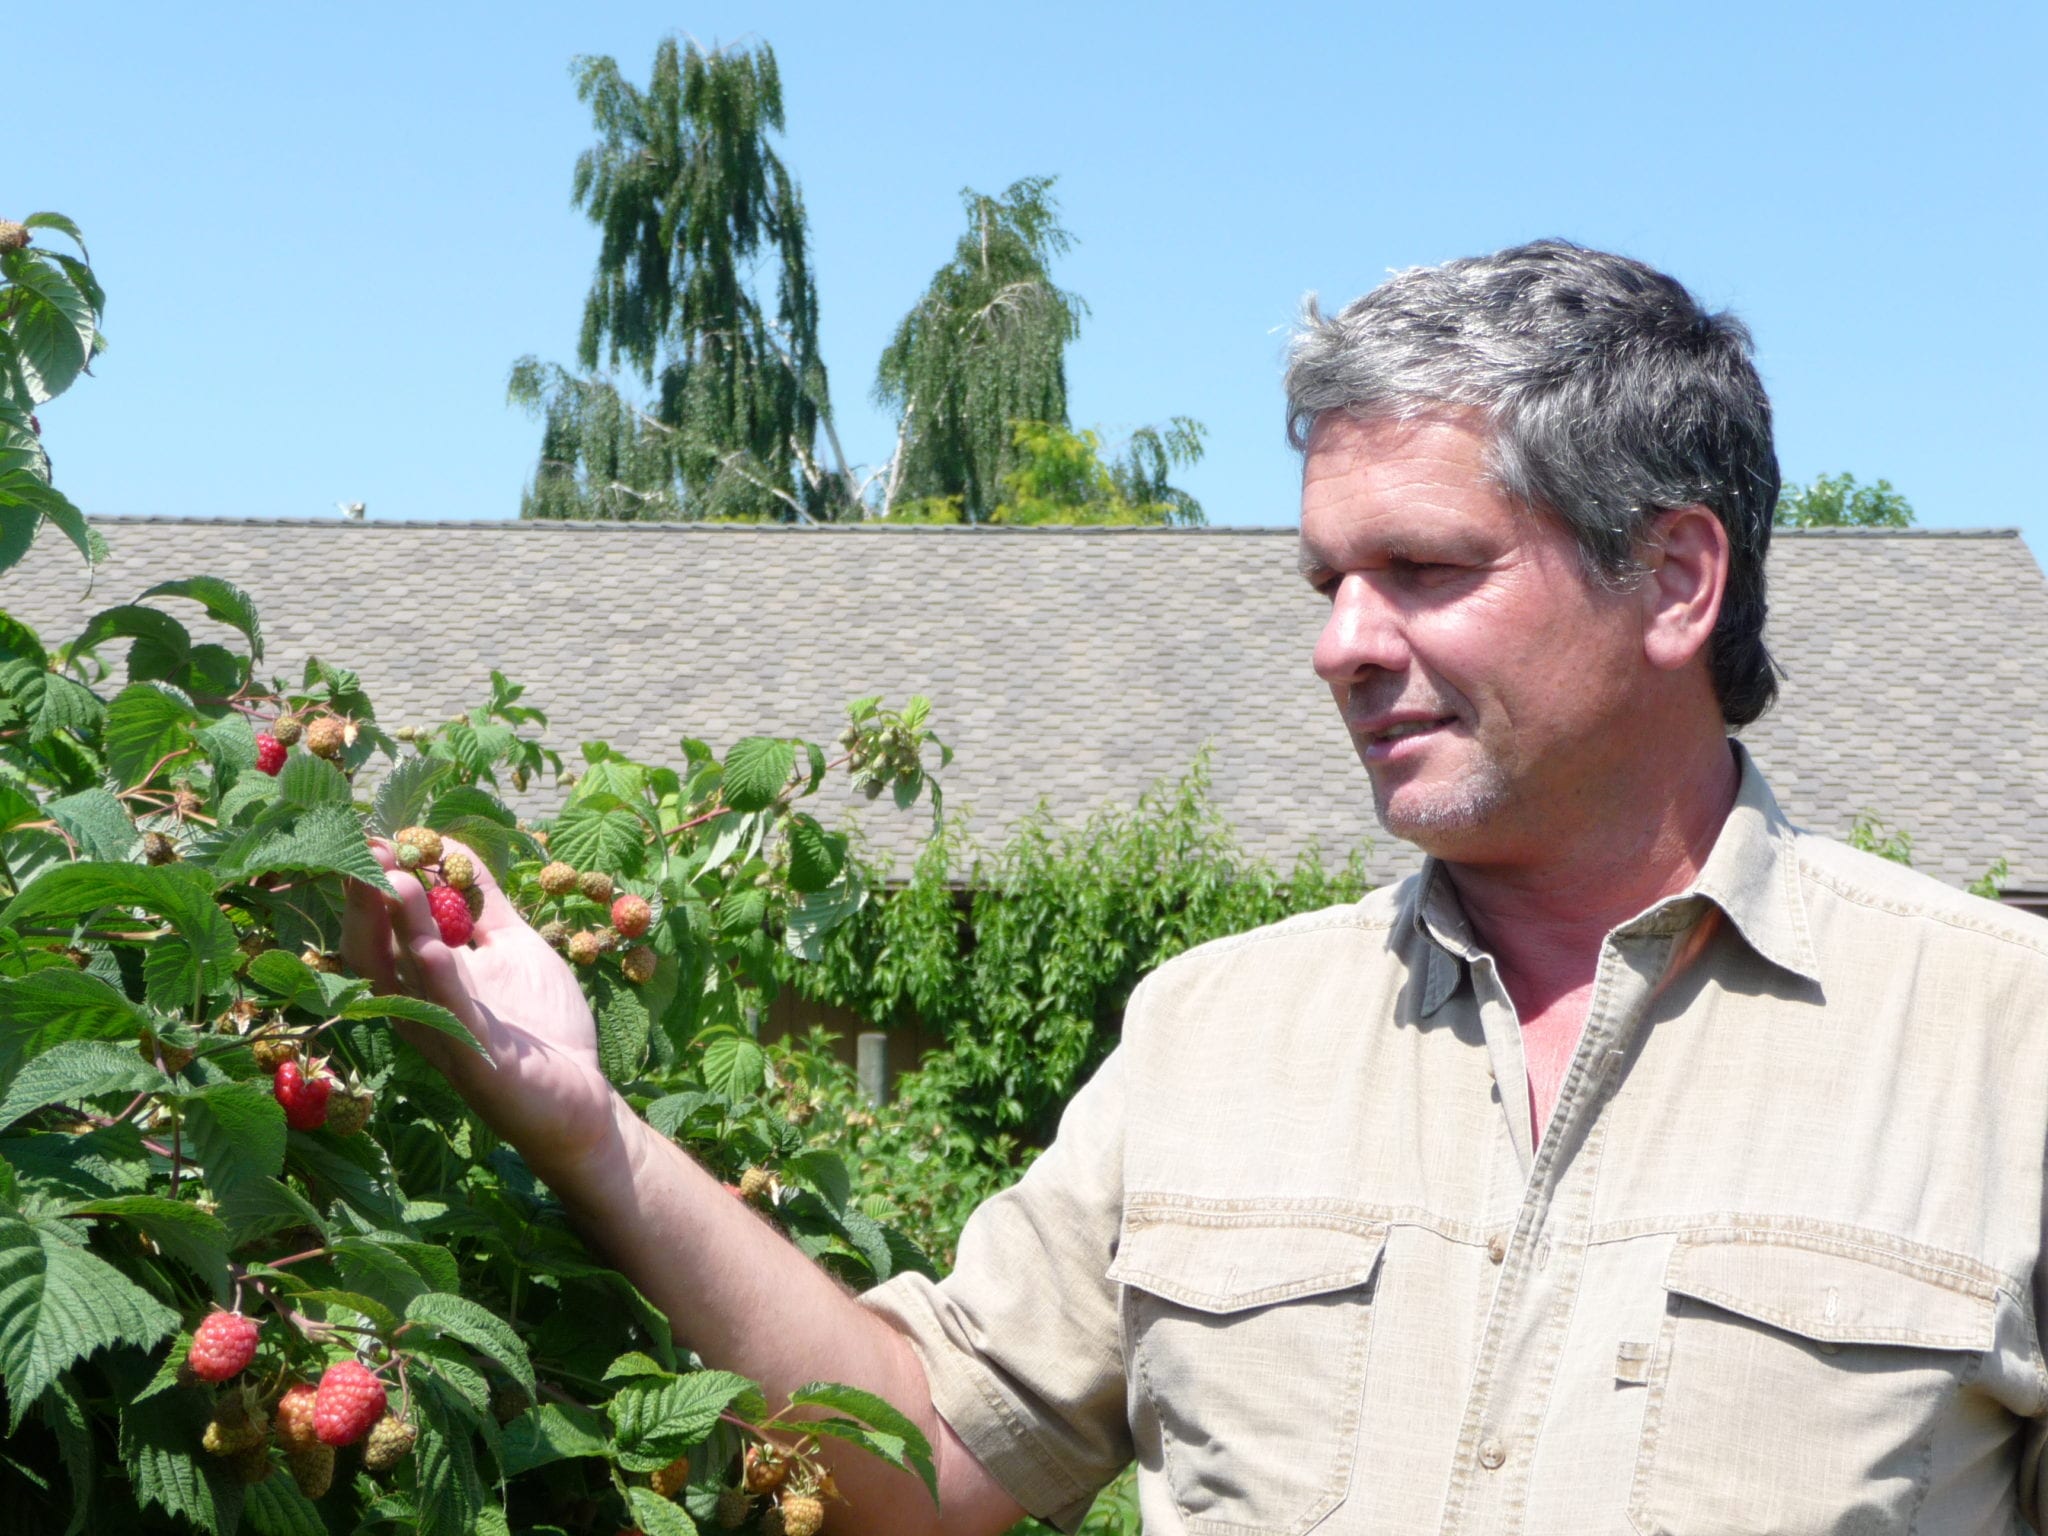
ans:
x=414 y=1011
x=622 y=1027
x=160 y=1445
x=55 y=221
x=236 y=1133
x=230 y=745
x=256 y=1207
x=99 y=823
x=552 y=1432
x=825 y=1172
x=195 y=1238
x=59 y=1303
x=817 y=914
x=655 y=1421
x=592 y=838
x=28 y=271
x=64 y=1412
x=741 y=909
x=47 y=1006
x=735 y=1066
x=325 y=841
x=815 y=855
x=77 y=1069
x=482 y=1330
x=178 y=892
x=222 y=600
x=403 y=793
x=308 y=782
x=880 y=1414
x=633 y=1363
x=658 y=1516
x=757 y=769
x=275 y=1507
x=284 y=975
x=146 y=723
x=48 y=703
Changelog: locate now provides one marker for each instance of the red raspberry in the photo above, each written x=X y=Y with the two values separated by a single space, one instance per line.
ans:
x=269 y=753
x=294 y=1417
x=631 y=915
x=349 y=1403
x=222 y=1346
x=451 y=915
x=304 y=1098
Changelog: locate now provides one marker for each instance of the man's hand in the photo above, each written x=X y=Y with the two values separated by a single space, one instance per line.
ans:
x=544 y=1091
x=753 y=1304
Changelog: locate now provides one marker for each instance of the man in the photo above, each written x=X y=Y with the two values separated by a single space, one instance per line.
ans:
x=1641 y=1164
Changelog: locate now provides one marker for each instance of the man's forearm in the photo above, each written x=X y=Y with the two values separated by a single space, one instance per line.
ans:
x=742 y=1297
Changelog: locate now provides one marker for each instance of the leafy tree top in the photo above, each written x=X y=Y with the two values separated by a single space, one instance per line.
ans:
x=983 y=349
x=1837 y=501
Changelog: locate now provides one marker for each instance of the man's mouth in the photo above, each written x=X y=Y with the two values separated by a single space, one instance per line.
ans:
x=1408 y=728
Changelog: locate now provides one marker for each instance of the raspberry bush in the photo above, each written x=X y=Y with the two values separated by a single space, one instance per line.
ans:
x=259 y=1267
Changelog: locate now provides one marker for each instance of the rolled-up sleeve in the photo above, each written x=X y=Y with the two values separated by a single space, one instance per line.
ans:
x=1021 y=1343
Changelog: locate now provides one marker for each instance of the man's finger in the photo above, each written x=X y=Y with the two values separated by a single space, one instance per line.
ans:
x=366 y=941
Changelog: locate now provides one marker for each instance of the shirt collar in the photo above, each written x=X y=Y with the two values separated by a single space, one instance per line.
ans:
x=1752 y=875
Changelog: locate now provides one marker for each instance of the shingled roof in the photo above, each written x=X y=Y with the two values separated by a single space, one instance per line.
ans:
x=1082 y=665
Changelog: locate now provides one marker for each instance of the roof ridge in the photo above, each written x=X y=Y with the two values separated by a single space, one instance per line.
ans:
x=593 y=526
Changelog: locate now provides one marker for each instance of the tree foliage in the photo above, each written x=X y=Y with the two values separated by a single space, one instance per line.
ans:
x=703 y=294
x=1837 y=501
x=983 y=349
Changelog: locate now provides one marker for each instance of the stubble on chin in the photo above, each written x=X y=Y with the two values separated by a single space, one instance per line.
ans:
x=1427 y=815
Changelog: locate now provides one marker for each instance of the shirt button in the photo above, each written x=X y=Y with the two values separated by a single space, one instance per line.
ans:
x=1491 y=1455
x=1496 y=1248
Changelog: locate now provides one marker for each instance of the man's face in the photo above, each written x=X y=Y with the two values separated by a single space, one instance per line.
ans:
x=1484 y=679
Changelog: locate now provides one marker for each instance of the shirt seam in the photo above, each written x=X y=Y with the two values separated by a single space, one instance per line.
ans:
x=1943 y=1266
x=1872 y=901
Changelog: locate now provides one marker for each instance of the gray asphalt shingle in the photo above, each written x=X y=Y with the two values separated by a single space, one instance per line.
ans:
x=1085 y=664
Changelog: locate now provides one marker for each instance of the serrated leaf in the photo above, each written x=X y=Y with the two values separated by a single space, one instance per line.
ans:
x=403 y=794
x=179 y=893
x=742 y=910
x=815 y=855
x=275 y=1507
x=224 y=601
x=592 y=838
x=878 y=1413
x=482 y=1330
x=97 y=821
x=552 y=1432
x=668 y=1115
x=308 y=782
x=77 y=1069
x=254 y=1208
x=146 y=722
x=658 y=1516
x=325 y=841
x=236 y=1133
x=414 y=1011
x=48 y=703
x=339 y=1165
x=230 y=745
x=757 y=770
x=195 y=1238
x=59 y=1303
x=56 y=1004
x=159 y=1445
x=285 y=976
x=622 y=1027
x=735 y=1066
x=815 y=915
x=653 y=1422
x=63 y=1411
x=823 y=1171
x=384 y=1319
x=633 y=1364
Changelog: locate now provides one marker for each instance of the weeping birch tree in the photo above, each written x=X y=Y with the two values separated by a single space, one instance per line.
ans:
x=984 y=349
x=703 y=297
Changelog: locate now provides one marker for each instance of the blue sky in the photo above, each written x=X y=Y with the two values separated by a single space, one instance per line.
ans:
x=326 y=232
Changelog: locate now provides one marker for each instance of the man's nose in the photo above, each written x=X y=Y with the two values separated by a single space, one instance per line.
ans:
x=1364 y=633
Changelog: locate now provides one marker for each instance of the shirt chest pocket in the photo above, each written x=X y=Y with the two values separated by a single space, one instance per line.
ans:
x=1246 y=1337
x=1798 y=1387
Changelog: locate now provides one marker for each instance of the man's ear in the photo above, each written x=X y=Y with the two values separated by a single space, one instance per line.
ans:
x=1685 y=557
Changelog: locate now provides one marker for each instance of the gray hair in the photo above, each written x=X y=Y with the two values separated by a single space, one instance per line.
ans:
x=1611 y=396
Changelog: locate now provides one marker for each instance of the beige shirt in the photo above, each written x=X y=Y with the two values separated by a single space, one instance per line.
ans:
x=1773 y=1266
